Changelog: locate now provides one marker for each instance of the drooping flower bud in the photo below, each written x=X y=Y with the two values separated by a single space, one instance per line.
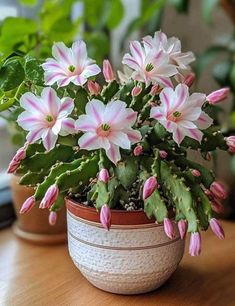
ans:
x=195 y=244
x=216 y=228
x=108 y=71
x=196 y=173
x=103 y=175
x=217 y=206
x=28 y=205
x=149 y=186
x=218 y=190
x=136 y=91
x=138 y=150
x=218 y=95
x=163 y=154
x=52 y=218
x=105 y=216
x=15 y=162
x=50 y=196
x=169 y=228
x=94 y=88
x=189 y=79
x=13 y=166
x=230 y=141
x=155 y=90
x=182 y=226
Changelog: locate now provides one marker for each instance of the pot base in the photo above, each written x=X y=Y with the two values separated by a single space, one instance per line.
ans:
x=40 y=239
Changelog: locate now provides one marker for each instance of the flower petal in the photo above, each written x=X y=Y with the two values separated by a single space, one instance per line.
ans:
x=67 y=127
x=133 y=135
x=90 y=70
x=137 y=52
x=113 y=153
x=204 y=121
x=31 y=103
x=89 y=141
x=30 y=122
x=95 y=109
x=61 y=53
x=67 y=105
x=178 y=135
x=86 y=123
x=51 y=101
x=120 y=139
x=35 y=135
x=49 y=140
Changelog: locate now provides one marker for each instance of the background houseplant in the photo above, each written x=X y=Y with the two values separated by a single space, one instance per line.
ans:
x=151 y=111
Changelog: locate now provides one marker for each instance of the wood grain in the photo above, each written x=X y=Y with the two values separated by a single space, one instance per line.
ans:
x=45 y=276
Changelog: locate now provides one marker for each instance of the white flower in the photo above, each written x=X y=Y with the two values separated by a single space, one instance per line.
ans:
x=45 y=117
x=69 y=65
x=182 y=114
x=149 y=65
x=170 y=46
x=108 y=127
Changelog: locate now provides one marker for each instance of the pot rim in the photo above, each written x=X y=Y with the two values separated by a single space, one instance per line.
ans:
x=118 y=217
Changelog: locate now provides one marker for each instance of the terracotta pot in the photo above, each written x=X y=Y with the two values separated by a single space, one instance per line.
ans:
x=135 y=256
x=34 y=226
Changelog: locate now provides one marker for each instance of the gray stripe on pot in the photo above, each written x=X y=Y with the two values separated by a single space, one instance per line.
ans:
x=123 y=248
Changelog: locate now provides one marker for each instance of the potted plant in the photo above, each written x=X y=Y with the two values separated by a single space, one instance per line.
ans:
x=117 y=154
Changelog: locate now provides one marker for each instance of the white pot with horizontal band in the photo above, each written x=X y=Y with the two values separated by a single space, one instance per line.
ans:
x=135 y=256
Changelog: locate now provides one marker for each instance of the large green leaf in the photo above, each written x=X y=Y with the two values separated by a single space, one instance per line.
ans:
x=11 y=75
x=116 y=14
x=34 y=71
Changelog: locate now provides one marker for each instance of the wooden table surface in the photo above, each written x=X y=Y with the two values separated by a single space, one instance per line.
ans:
x=45 y=276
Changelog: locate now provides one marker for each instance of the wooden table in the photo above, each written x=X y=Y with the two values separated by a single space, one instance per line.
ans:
x=45 y=276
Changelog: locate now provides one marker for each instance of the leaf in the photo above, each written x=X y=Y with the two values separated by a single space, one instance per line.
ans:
x=11 y=75
x=207 y=7
x=28 y=2
x=34 y=71
x=180 y=5
x=155 y=207
x=127 y=171
x=116 y=14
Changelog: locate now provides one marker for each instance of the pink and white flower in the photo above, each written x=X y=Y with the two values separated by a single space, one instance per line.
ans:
x=45 y=117
x=170 y=46
x=182 y=114
x=69 y=65
x=149 y=65
x=108 y=127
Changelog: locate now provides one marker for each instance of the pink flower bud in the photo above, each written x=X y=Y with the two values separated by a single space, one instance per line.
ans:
x=218 y=190
x=13 y=166
x=28 y=205
x=182 y=226
x=20 y=154
x=138 y=150
x=52 y=218
x=169 y=228
x=155 y=90
x=94 y=88
x=105 y=216
x=217 y=206
x=136 y=91
x=218 y=95
x=163 y=154
x=209 y=194
x=195 y=244
x=149 y=186
x=230 y=141
x=104 y=175
x=196 y=173
x=217 y=228
x=189 y=79
x=108 y=71
x=50 y=197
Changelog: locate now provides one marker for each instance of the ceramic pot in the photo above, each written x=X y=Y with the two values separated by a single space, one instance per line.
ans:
x=135 y=256
x=34 y=226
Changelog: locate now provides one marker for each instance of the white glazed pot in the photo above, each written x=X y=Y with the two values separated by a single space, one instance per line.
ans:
x=128 y=259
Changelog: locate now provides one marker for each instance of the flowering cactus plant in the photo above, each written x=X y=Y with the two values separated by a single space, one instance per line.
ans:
x=122 y=144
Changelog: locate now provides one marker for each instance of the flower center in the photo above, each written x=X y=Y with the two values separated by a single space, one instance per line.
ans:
x=149 y=67
x=71 y=68
x=49 y=118
x=176 y=114
x=103 y=130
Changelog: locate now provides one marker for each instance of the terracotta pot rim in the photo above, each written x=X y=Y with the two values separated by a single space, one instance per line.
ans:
x=119 y=217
